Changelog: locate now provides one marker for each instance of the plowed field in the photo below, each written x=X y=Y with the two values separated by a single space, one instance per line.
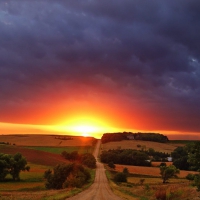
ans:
x=34 y=156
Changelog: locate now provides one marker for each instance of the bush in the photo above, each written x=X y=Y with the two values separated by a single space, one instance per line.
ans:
x=190 y=177
x=111 y=165
x=71 y=175
x=120 y=177
x=125 y=171
x=197 y=181
x=88 y=160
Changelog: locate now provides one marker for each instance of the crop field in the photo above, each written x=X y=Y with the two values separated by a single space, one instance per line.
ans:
x=30 y=181
x=146 y=187
x=46 y=140
x=133 y=144
x=34 y=156
x=42 y=152
x=59 y=150
x=151 y=171
x=32 y=187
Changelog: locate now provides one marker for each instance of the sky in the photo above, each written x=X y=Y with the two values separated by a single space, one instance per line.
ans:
x=100 y=66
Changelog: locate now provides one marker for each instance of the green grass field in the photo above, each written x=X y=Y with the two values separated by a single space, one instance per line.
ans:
x=59 y=150
x=30 y=181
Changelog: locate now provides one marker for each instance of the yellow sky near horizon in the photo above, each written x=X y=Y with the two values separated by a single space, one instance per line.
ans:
x=82 y=130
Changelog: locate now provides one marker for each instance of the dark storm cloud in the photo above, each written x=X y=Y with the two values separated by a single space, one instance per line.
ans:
x=144 y=50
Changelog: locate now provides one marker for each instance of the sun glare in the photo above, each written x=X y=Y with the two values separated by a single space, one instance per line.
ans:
x=85 y=126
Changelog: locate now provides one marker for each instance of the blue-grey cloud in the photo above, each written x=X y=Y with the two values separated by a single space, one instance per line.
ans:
x=148 y=52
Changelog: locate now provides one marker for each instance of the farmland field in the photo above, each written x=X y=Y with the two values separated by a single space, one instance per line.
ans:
x=42 y=152
x=34 y=156
x=59 y=150
x=151 y=171
x=46 y=140
x=32 y=180
x=133 y=144
x=151 y=184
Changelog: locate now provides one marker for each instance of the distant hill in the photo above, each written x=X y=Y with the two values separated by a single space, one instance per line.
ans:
x=119 y=136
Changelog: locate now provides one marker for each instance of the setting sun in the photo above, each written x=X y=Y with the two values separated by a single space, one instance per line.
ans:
x=85 y=126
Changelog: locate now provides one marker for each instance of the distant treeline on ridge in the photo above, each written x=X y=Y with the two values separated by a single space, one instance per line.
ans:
x=156 y=137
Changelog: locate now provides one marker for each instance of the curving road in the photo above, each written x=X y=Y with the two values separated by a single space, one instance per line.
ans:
x=100 y=190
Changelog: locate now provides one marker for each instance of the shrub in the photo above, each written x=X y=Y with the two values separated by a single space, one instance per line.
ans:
x=71 y=175
x=111 y=165
x=197 y=181
x=142 y=181
x=125 y=171
x=89 y=160
x=174 y=193
x=190 y=177
x=161 y=194
x=163 y=164
x=120 y=177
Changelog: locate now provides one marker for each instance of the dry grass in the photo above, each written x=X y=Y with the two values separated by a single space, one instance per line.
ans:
x=44 y=140
x=132 y=144
x=176 y=189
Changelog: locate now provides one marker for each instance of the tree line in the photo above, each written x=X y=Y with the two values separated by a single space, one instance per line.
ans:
x=156 y=137
x=133 y=157
x=187 y=157
x=86 y=159
x=125 y=157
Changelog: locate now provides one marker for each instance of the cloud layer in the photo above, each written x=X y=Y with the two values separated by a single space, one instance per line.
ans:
x=144 y=57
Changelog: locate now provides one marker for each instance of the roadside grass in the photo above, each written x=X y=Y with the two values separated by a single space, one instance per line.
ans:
x=59 y=150
x=145 y=187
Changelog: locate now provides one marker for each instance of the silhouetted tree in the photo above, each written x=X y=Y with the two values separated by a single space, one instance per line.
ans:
x=13 y=165
x=168 y=172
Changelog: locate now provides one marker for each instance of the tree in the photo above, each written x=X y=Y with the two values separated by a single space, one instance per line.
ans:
x=88 y=160
x=120 y=177
x=197 y=181
x=13 y=165
x=4 y=166
x=194 y=155
x=126 y=171
x=111 y=165
x=62 y=176
x=168 y=172
x=180 y=158
x=18 y=164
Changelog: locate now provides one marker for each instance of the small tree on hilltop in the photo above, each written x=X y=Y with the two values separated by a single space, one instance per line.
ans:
x=125 y=171
x=111 y=165
x=168 y=172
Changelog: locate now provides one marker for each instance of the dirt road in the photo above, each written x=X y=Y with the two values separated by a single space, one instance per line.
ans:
x=100 y=190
